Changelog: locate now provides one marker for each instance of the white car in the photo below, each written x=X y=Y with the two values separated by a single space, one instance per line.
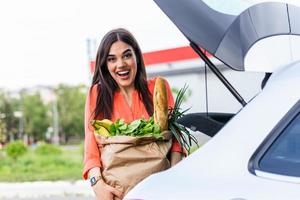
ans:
x=256 y=154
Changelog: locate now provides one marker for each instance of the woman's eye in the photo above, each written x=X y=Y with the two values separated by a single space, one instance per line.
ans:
x=111 y=59
x=127 y=55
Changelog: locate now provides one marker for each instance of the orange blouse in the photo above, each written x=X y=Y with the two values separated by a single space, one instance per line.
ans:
x=120 y=110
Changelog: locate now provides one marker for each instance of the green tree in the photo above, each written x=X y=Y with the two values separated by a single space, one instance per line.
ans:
x=3 y=132
x=8 y=122
x=36 y=120
x=71 y=101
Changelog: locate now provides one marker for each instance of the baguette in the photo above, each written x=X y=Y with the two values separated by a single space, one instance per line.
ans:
x=160 y=103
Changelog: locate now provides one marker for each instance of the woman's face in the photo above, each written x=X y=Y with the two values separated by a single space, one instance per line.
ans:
x=121 y=64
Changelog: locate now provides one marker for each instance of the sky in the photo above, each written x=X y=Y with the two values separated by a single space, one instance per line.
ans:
x=44 y=42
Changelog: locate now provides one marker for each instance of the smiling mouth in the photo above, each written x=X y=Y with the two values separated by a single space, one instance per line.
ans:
x=123 y=73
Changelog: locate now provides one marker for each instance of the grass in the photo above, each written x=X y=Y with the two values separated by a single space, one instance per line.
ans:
x=36 y=167
x=44 y=167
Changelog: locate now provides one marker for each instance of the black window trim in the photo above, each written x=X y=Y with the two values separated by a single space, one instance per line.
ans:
x=253 y=163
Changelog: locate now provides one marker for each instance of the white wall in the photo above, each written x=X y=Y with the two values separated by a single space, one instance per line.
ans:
x=219 y=98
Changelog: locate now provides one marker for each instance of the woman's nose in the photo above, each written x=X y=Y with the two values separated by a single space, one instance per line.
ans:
x=120 y=63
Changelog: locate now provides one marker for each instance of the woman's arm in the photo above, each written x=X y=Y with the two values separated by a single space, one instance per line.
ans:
x=92 y=164
x=91 y=151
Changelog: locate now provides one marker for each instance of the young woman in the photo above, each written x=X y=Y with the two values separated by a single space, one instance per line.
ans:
x=119 y=90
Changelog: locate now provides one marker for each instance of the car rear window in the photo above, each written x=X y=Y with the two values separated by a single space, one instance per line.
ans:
x=283 y=156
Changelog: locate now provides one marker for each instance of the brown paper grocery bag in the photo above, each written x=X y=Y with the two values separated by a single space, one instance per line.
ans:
x=128 y=160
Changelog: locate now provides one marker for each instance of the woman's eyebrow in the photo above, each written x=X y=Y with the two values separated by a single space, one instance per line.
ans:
x=127 y=50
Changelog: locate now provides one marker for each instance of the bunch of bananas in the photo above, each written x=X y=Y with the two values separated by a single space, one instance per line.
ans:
x=102 y=127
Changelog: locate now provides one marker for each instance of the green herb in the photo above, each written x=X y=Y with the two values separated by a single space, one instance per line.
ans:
x=137 y=128
x=182 y=134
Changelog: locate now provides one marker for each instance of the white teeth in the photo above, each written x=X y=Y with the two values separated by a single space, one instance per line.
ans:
x=123 y=73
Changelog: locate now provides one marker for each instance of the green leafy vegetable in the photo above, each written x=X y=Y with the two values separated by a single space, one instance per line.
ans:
x=137 y=128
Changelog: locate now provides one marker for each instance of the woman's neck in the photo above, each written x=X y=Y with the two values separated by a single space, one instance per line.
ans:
x=127 y=94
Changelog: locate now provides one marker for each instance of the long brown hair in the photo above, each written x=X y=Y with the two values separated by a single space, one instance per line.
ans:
x=107 y=85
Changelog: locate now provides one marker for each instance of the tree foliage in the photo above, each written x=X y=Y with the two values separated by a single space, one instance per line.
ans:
x=32 y=115
x=8 y=122
x=36 y=120
x=71 y=102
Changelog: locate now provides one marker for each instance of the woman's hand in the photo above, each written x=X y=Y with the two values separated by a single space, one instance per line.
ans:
x=106 y=192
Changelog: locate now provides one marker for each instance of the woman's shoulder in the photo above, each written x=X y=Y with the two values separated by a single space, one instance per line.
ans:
x=151 y=81
x=94 y=87
x=93 y=90
x=151 y=84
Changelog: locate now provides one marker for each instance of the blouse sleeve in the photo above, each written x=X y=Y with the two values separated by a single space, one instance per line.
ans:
x=176 y=147
x=91 y=151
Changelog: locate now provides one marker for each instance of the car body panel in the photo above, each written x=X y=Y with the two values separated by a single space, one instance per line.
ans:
x=262 y=57
x=219 y=169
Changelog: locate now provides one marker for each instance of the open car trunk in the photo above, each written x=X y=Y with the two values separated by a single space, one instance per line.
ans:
x=248 y=41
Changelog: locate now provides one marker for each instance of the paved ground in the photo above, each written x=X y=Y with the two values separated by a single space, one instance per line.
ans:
x=53 y=198
x=47 y=190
